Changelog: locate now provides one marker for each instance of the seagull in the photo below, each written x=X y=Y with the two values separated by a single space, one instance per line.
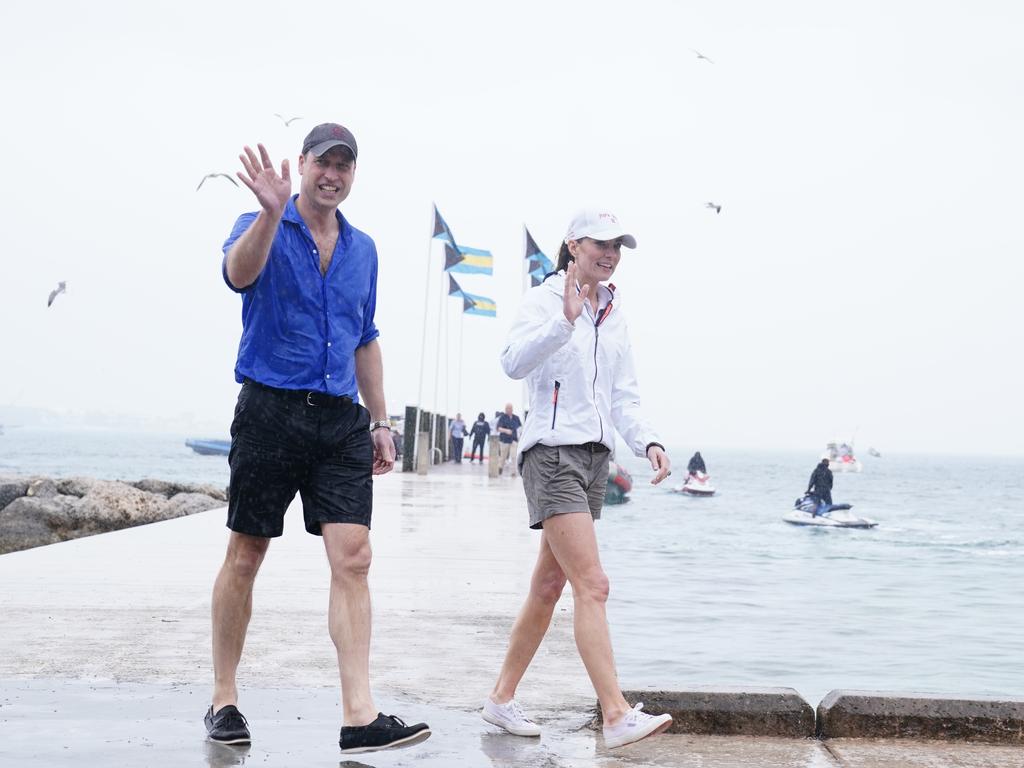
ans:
x=702 y=56
x=718 y=208
x=211 y=175
x=287 y=122
x=61 y=288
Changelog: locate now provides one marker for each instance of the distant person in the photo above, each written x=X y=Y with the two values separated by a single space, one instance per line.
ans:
x=309 y=349
x=458 y=433
x=582 y=388
x=696 y=464
x=508 y=439
x=820 y=487
x=480 y=430
x=396 y=438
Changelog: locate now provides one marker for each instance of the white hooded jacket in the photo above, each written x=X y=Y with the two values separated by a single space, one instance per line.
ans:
x=580 y=377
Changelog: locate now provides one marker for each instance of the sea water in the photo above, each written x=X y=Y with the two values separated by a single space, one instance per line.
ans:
x=721 y=591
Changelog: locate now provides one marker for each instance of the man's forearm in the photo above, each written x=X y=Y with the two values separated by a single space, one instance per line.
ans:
x=370 y=378
x=248 y=255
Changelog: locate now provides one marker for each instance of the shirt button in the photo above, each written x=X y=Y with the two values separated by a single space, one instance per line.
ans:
x=328 y=343
x=328 y=375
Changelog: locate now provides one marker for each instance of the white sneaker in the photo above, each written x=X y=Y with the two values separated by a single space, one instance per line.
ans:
x=509 y=716
x=633 y=726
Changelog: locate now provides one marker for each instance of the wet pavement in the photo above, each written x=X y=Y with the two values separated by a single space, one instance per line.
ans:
x=104 y=651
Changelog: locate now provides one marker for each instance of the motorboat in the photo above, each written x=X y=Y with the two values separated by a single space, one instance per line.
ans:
x=697 y=484
x=874 y=452
x=209 y=447
x=807 y=510
x=841 y=459
x=620 y=482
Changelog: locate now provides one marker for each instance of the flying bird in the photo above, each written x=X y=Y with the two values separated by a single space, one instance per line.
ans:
x=287 y=121
x=718 y=208
x=702 y=56
x=61 y=287
x=211 y=175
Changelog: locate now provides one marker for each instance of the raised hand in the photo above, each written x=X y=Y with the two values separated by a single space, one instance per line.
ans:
x=572 y=302
x=270 y=189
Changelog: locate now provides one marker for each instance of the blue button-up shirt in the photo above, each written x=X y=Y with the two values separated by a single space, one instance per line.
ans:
x=300 y=330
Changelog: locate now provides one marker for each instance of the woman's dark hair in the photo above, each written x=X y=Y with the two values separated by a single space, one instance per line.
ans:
x=564 y=257
x=481 y=417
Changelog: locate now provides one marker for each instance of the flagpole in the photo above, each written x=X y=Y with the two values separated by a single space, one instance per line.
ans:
x=423 y=341
x=458 y=390
x=437 y=357
x=447 y=358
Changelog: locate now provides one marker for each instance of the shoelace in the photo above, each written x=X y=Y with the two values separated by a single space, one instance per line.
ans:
x=396 y=719
x=234 y=719
x=634 y=714
x=517 y=711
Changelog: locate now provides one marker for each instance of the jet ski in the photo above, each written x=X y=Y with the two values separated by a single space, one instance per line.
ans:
x=827 y=516
x=697 y=484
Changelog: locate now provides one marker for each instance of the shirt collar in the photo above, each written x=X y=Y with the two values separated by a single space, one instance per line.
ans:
x=291 y=213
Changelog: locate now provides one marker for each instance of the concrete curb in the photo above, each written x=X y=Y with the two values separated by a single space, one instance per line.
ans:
x=860 y=714
x=731 y=710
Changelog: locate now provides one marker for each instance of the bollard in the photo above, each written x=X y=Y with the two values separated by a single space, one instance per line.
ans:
x=492 y=456
x=422 y=452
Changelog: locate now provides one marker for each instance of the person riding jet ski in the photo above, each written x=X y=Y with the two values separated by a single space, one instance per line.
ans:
x=820 y=487
x=696 y=464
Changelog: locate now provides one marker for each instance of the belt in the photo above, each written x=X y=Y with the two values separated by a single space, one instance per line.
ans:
x=592 y=447
x=310 y=398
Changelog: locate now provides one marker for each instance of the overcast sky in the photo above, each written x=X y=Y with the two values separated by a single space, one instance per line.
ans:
x=862 y=279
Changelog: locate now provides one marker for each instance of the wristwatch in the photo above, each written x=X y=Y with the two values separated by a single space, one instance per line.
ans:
x=382 y=424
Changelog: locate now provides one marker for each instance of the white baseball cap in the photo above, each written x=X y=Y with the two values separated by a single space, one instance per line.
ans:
x=598 y=224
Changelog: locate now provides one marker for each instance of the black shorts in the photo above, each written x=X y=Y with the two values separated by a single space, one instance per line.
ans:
x=283 y=442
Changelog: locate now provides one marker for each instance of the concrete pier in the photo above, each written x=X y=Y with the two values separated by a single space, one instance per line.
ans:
x=104 y=652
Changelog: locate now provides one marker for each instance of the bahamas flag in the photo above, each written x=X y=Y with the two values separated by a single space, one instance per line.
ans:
x=461 y=258
x=471 y=303
x=537 y=264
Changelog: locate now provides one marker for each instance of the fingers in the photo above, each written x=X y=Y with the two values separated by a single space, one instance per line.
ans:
x=249 y=162
x=584 y=292
x=659 y=462
x=265 y=157
x=285 y=173
x=245 y=180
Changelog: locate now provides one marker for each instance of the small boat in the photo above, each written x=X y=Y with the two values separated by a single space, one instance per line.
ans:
x=209 y=447
x=874 y=452
x=833 y=516
x=697 y=484
x=619 y=484
x=841 y=459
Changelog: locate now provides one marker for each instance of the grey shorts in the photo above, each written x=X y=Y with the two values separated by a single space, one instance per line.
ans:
x=564 y=478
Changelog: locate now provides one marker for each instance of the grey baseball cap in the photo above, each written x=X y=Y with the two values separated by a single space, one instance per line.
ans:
x=327 y=136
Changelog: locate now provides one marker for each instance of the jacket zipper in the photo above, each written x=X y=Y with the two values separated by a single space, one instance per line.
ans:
x=554 y=404
x=594 y=386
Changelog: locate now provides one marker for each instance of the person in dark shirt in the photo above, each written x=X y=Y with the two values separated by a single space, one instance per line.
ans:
x=696 y=464
x=508 y=436
x=820 y=486
x=480 y=430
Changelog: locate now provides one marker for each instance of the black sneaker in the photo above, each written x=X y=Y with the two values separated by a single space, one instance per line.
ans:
x=386 y=732
x=228 y=726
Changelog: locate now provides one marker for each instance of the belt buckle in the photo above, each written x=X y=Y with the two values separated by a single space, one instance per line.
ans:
x=309 y=400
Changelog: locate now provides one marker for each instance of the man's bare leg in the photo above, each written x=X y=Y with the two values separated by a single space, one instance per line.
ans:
x=232 y=608
x=349 y=555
